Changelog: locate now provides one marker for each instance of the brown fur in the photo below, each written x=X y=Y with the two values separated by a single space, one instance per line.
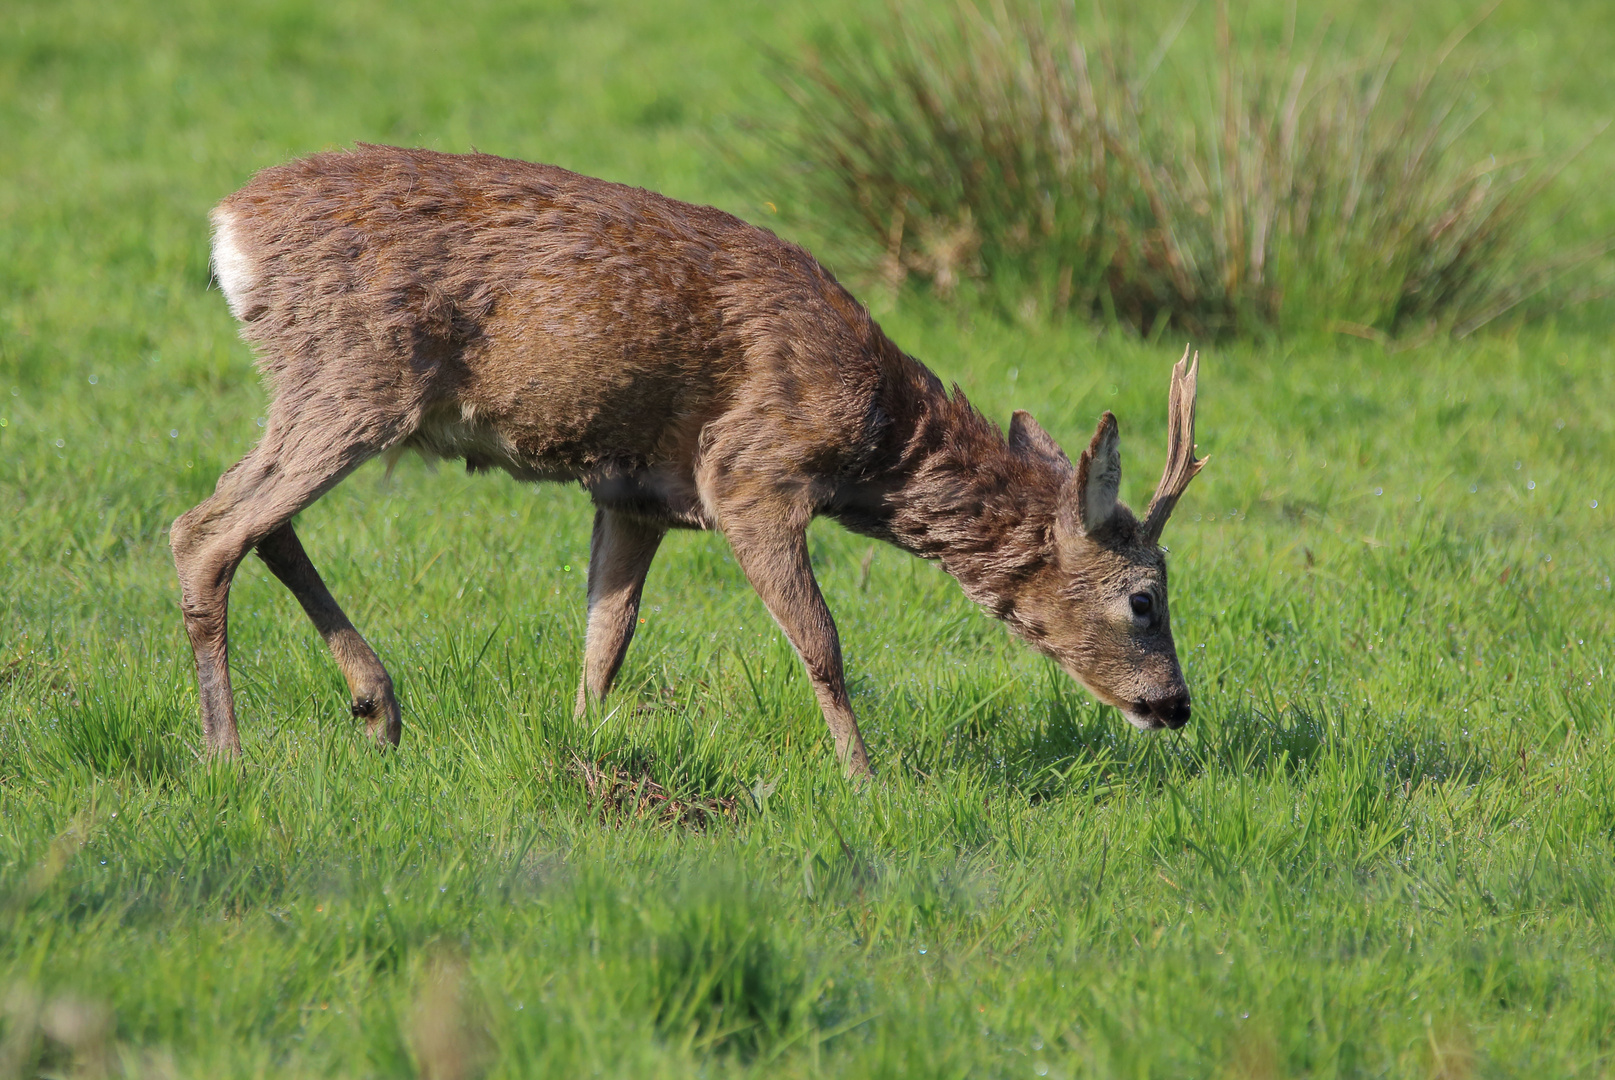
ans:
x=688 y=369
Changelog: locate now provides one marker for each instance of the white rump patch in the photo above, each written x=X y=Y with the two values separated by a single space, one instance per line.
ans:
x=231 y=267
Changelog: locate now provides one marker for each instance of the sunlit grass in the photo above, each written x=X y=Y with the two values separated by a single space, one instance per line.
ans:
x=1044 y=162
x=1384 y=846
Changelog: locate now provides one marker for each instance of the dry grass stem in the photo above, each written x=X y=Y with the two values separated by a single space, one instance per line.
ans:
x=1018 y=148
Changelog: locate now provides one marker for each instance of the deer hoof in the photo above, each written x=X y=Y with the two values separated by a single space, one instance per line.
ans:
x=382 y=721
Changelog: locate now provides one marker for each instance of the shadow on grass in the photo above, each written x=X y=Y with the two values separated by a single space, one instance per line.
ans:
x=1064 y=745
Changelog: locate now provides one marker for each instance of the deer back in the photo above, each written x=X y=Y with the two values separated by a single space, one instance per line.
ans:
x=525 y=316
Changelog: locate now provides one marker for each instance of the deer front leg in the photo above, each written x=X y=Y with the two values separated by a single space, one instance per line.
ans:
x=777 y=565
x=368 y=682
x=620 y=553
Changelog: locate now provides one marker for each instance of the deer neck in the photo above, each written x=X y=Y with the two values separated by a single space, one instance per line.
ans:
x=953 y=491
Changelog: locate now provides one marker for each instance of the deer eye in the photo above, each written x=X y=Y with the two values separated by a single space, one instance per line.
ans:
x=1142 y=603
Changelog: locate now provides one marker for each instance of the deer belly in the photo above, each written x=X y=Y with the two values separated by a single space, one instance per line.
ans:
x=664 y=493
x=483 y=446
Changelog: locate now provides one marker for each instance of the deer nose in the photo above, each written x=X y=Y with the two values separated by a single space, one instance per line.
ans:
x=1172 y=711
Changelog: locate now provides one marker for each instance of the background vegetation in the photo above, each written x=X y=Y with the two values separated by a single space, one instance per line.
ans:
x=1385 y=845
x=1072 y=164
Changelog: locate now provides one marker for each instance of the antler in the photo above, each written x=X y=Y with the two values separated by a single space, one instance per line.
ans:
x=1181 y=464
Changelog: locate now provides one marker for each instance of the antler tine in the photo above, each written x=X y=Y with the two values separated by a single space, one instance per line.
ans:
x=1181 y=464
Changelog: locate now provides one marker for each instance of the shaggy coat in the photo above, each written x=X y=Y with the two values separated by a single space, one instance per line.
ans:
x=689 y=370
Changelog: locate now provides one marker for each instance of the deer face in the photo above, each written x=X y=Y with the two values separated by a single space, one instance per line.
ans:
x=1102 y=610
x=1098 y=603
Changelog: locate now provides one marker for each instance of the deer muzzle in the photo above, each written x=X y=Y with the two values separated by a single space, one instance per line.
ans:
x=1171 y=711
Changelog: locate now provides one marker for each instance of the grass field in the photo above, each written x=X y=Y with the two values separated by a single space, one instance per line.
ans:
x=1385 y=846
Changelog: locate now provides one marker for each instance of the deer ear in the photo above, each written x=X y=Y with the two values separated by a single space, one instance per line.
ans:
x=1027 y=437
x=1099 y=477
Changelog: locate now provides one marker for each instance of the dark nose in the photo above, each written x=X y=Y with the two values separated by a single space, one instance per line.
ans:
x=1172 y=711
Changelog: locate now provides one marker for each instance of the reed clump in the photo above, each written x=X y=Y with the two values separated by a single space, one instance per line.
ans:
x=1017 y=154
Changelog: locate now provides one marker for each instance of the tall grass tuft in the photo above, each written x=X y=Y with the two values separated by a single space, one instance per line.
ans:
x=1010 y=151
x=118 y=722
x=717 y=975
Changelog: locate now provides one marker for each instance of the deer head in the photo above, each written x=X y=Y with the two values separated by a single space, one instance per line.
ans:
x=1097 y=603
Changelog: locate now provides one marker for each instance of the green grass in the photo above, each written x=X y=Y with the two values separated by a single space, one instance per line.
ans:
x=1042 y=162
x=1293 y=185
x=1385 y=846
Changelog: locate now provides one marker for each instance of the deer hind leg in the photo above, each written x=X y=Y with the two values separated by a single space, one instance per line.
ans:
x=368 y=682
x=620 y=553
x=774 y=557
x=292 y=467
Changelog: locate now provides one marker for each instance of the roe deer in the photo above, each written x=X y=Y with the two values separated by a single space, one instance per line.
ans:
x=689 y=371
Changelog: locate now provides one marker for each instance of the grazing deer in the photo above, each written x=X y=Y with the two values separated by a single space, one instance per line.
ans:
x=689 y=371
